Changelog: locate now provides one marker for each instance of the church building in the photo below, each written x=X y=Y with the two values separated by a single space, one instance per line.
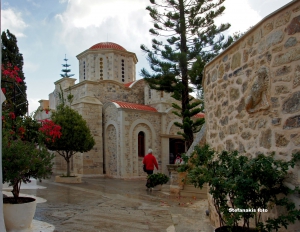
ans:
x=124 y=115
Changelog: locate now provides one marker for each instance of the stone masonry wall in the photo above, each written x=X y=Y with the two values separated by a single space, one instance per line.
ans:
x=252 y=91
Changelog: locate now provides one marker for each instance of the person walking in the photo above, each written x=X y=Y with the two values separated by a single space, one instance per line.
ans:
x=150 y=161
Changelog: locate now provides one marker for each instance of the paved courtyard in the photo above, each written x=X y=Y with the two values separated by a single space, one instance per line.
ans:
x=111 y=205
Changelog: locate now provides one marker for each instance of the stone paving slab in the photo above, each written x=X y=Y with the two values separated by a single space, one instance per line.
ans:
x=112 y=205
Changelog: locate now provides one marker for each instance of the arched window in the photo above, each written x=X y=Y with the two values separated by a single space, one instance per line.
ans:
x=141 y=144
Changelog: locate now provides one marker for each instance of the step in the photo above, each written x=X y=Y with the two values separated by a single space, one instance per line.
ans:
x=191 y=191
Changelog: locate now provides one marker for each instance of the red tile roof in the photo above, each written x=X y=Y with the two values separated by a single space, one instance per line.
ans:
x=199 y=115
x=134 y=106
x=128 y=84
x=107 y=45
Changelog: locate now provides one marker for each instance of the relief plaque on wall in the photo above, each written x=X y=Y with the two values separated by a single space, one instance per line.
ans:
x=258 y=93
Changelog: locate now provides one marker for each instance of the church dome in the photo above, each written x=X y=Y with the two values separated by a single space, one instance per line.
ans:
x=107 y=45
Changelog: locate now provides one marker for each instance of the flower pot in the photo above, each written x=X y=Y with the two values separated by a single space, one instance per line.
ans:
x=19 y=216
x=234 y=229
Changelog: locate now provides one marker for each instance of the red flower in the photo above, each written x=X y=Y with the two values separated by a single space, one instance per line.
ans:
x=50 y=129
x=3 y=90
x=12 y=115
x=18 y=79
x=47 y=111
x=3 y=118
x=22 y=130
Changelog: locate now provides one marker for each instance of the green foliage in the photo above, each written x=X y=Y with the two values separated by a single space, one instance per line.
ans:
x=157 y=179
x=239 y=182
x=24 y=155
x=76 y=136
x=192 y=39
x=12 y=56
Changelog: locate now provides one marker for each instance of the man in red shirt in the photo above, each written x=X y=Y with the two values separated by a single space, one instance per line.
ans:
x=150 y=161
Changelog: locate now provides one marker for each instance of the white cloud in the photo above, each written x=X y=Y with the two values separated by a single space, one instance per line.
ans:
x=13 y=21
x=240 y=15
x=85 y=23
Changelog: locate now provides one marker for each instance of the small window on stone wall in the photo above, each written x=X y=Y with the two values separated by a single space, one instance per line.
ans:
x=84 y=70
x=149 y=92
x=123 y=80
x=141 y=144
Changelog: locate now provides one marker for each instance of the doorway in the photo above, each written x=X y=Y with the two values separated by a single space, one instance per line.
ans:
x=176 y=146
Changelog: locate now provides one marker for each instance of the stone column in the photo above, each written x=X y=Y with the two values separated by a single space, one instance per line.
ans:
x=90 y=163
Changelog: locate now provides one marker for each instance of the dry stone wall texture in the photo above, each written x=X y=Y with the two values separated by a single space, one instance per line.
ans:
x=252 y=90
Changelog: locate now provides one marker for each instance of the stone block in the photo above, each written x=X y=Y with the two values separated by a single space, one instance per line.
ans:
x=295 y=138
x=274 y=38
x=214 y=75
x=283 y=70
x=276 y=121
x=296 y=80
x=292 y=104
x=265 y=139
x=234 y=94
x=233 y=129
x=292 y=122
x=291 y=42
x=280 y=140
x=283 y=19
x=281 y=89
x=229 y=145
x=246 y=135
x=267 y=28
x=287 y=57
x=221 y=71
x=224 y=121
x=294 y=26
x=236 y=61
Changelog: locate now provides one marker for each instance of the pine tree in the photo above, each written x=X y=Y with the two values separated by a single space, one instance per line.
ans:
x=11 y=57
x=66 y=69
x=191 y=40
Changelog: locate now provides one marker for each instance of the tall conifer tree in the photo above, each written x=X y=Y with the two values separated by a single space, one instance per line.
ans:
x=191 y=39
x=12 y=57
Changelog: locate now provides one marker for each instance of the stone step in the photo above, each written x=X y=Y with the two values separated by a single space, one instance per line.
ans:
x=193 y=194
x=191 y=188
x=191 y=191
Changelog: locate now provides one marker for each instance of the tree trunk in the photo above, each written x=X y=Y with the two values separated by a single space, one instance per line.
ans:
x=184 y=75
x=68 y=167
x=16 y=189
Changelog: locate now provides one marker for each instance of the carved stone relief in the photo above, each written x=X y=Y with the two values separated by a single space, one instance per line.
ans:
x=258 y=92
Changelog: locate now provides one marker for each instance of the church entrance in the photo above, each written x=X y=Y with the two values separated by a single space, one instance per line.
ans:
x=176 y=146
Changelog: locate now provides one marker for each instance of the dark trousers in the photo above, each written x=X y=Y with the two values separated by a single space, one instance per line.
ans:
x=148 y=184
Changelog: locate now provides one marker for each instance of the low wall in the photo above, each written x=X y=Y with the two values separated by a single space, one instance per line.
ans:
x=252 y=91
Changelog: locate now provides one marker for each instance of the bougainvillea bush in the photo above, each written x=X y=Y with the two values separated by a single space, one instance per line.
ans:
x=24 y=153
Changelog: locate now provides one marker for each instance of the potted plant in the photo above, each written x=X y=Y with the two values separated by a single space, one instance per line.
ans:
x=244 y=188
x=24 y=156
x=157 y=179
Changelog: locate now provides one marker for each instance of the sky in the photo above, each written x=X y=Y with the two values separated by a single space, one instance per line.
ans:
x=46 y=30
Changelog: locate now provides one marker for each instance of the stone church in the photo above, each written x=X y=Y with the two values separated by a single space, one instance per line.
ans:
x=125 y=116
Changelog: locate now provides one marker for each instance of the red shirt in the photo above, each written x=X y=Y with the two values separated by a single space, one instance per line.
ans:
x=150 y=161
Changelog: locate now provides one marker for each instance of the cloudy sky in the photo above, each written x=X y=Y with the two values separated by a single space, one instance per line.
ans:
x=48 y=29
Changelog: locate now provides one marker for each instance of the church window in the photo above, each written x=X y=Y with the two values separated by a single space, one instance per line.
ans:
x=161 y=94
x=149 y=93
x=84 y=70
x=123 y=80
x=141 y=144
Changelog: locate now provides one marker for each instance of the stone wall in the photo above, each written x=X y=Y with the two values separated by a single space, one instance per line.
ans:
x=252 y=91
